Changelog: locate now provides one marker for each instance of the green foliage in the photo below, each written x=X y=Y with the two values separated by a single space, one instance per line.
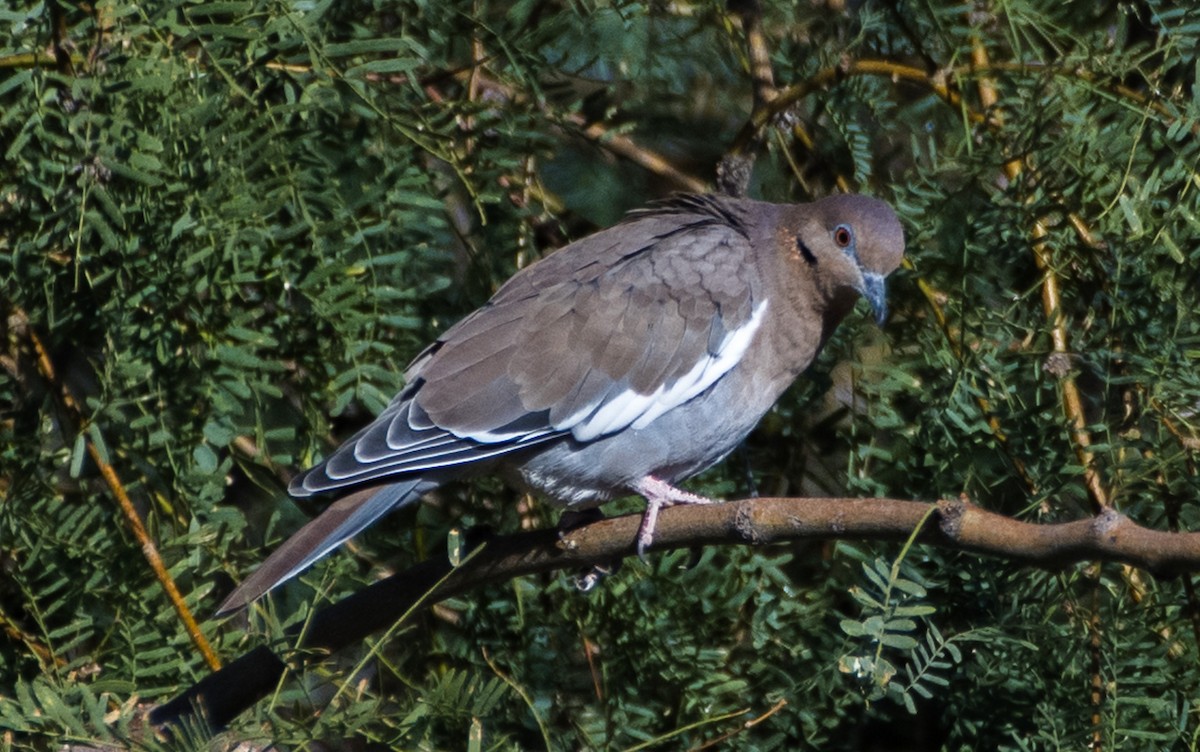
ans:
x=232 y=224
x=894 y=610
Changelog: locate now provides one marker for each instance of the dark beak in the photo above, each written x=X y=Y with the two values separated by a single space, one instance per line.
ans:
x=875 y=292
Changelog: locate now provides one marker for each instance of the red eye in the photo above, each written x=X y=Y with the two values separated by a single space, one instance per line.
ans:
x=843 y=236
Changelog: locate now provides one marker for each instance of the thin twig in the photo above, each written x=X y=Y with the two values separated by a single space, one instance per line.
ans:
x=589 y=652
x=44 y=654
x=245 y=446
x=787 y=98
x=735 y=167
x=529 y=703
x=1072 y=405
x=149 y=549
x=30 y=60
x=758 y=54
x=778 y=706
x=1072 y=402
x=1096 y=654
x=623 y=146
x=801 y=134
x=603 y=136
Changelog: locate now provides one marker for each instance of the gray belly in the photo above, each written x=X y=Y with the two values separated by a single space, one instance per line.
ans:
x=677 y=445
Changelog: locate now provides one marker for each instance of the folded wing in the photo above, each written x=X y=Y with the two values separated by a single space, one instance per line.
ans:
x=606 y=334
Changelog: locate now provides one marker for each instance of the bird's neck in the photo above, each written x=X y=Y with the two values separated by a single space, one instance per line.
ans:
x=837 y=308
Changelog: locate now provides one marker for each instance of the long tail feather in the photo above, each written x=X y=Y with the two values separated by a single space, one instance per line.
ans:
x=343 y=519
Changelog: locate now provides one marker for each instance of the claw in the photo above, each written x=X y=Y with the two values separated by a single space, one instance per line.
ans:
x=646 y=530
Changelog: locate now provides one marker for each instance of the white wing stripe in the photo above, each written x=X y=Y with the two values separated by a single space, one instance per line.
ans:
x=639 y=410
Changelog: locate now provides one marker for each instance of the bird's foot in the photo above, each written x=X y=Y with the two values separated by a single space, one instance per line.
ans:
x=586 y=580
x=659 y=494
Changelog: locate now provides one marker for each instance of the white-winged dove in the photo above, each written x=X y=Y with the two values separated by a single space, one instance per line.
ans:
x=623 y=363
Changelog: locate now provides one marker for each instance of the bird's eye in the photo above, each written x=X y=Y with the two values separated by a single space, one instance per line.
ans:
x=843 y=236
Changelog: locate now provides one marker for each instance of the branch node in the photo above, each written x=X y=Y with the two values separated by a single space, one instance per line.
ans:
x=950 y=514
x=744 y=525
x=733 y=173
x=566 y=543
x=1106 y=524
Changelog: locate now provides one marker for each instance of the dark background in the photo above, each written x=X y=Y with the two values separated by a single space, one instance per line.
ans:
x=225 y=228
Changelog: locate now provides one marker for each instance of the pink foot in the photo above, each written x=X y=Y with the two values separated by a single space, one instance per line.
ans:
x=658 y=494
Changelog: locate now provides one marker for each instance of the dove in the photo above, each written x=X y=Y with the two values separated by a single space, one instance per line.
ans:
x=623 y=363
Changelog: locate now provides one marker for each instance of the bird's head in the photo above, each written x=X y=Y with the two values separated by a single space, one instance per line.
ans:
x=850 y=244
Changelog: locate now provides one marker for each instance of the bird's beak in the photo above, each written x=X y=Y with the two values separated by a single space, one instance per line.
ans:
x=874 y=291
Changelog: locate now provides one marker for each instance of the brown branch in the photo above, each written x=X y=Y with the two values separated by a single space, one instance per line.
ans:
x=1096 y=654
x=44 y=654
x=149 y=549
x=600 y=134
x=936 y=83
x=30 y=60
x=1173 y=505
x=746 y=726
x=957 y=525
x=735 y=167
x=822 y=79
x=1072 y=402
x=623 y=146
x=757 y=51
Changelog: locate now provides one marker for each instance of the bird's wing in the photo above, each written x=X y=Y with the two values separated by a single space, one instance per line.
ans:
x=606 y=334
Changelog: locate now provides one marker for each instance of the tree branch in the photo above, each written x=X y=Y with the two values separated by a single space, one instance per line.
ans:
x=957 y=525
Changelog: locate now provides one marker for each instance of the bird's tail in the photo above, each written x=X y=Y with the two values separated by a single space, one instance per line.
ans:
x=343 y=519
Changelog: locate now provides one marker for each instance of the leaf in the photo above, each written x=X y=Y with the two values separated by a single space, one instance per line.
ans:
x=853 y=628
x=78 y=454
x=898 y=641
x=205 y=458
